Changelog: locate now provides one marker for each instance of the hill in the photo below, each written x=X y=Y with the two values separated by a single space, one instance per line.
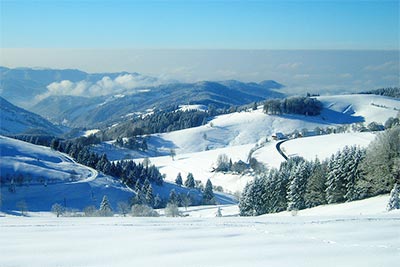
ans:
x=239 y=133
x=15 y=120
x=41 y=177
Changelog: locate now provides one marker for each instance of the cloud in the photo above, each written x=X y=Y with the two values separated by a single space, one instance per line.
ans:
x=290 y=65
x=302 y=76
x=390 y=65
x=345 y=75
x=126 y=83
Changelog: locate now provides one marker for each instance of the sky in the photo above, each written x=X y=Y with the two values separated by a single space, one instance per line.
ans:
x=298 y=43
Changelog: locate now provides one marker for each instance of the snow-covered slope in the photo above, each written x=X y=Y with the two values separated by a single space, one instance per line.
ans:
x=324 y=146
x=15 y=120
x=42 y=177
x=367 y=108
x=328 y=238
x=250 y=127
x=236 y=134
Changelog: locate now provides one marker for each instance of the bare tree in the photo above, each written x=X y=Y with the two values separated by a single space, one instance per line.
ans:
x=57 y=209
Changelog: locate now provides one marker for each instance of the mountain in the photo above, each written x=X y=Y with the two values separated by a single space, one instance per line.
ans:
x=15 y=120
x=22 y=86
x=85 y=112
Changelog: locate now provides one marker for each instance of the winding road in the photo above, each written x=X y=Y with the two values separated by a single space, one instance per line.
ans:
x=278 y=147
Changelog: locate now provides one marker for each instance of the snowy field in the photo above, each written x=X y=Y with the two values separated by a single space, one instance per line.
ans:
x=325 y=145
x=326 y=239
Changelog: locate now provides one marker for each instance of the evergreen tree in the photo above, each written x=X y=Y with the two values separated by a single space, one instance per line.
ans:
x=353 y=172
x=138 y=187
x=315 y=189
x=246 y=201
x=178 y=179
x=173 y=198
x=335 y=189
x=105 y=207
x=297 y=187
x=149 y=197
x=380 y=167
x=208 y=195
x=190 y=181
x=394 y=200
x=157 y=202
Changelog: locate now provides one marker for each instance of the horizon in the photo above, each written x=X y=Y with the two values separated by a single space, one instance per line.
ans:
x=331 y=45
x=332 y=71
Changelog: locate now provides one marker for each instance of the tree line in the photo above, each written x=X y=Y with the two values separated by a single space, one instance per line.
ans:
x=390 y=92
x=351 y=174
x=293 y=105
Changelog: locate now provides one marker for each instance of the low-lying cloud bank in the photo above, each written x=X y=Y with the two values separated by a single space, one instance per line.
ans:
x=125 y=83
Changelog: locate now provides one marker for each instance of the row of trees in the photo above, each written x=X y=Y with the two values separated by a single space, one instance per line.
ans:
x=128 y=171
x=390 y=92
x=158 y=122
x=293 y=105
x=350 y=174
x=133 y=143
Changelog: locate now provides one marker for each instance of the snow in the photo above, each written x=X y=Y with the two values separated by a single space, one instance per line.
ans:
x=324 y=146
x=368 y=107
x=201 y=165
x=330 y=239
x=193 y=107
x=52 y=177
x=90 y=132
x=237 y=133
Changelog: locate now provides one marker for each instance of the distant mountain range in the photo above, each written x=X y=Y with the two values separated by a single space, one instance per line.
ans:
x=70 y=99
x=15 y=120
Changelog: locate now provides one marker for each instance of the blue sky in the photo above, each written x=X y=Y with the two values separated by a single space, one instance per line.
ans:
x=343 y=45
x=200 y=24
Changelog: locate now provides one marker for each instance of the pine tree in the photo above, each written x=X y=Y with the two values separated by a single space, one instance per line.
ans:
x=208 y=195
x=315 y=189
x=173 y=198
x=353 y=162
x=335 y=190
x=246 y=201
x=138 y=187
x=105 y=207
x=178 y=179
x=190 y=181
x=157 y=202
x=297 y=187
x=394 y=200
x=258 y=194
x=149 y=197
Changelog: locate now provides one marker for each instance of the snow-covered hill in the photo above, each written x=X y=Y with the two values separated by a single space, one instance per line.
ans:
x=365 y=108
x=236 y=134
x=310 y=147
x=241 y=128
x=15 y=120
x=42 y=177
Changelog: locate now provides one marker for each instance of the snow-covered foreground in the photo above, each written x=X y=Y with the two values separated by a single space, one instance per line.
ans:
x=335 y=235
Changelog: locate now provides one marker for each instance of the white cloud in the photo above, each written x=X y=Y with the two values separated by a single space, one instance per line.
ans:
x=290 y=65
x=126 y=83
x=390 y=65
x=302 y=76
x=346 y=75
